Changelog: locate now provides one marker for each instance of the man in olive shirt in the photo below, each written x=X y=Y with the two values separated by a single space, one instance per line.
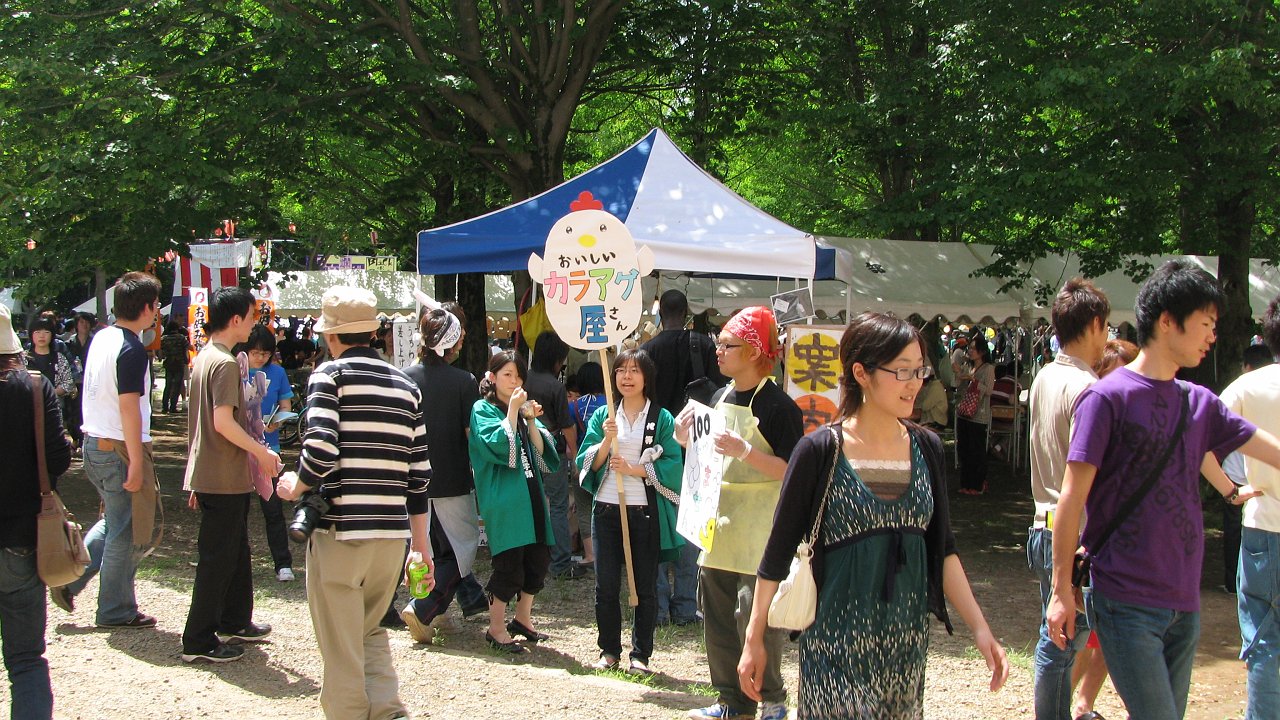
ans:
x=218 y=478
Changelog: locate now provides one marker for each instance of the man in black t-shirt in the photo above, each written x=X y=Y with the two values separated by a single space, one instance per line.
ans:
x=672 y=355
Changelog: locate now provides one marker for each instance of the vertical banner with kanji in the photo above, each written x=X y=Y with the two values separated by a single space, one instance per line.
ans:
x=197 y=314
x=813 y=372
x=404 y=348
x=590 y=274
x=264 y=296
x=703 y=472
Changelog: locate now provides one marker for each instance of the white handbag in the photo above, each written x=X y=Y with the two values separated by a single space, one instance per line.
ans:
x=796 y=603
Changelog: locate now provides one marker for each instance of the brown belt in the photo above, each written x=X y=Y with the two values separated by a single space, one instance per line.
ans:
x=106 y=444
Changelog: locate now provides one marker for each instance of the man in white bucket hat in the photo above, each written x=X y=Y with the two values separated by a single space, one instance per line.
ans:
x=365 y=452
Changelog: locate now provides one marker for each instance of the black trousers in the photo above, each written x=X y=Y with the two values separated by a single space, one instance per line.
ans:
x=971 y=447
x=276 y=527
x=174 y=386
x=222 y=599
x=611 y=569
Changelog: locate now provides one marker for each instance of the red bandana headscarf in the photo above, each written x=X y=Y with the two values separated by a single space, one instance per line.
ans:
x=757 y=327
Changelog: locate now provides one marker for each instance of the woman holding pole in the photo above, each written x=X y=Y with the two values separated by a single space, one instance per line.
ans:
x=649 y=464
x=510 y=451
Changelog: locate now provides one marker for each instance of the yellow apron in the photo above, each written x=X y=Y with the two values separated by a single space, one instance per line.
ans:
x=748 y=498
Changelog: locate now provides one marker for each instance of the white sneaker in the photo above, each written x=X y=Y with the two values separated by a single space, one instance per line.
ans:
x=285 y=575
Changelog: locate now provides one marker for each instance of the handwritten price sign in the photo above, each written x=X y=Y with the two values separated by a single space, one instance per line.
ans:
x=703 y=470
x=590 y=273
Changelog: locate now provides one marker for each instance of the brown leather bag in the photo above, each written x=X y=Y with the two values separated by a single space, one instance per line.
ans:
x=61 y=556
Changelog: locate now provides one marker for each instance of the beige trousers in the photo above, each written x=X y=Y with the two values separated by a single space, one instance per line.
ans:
x=349 y=586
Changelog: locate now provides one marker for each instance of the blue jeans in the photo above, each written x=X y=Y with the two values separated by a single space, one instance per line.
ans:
x=556 y=486
x=110 y=540
x=1149 y=653
x=1053 y=666
x=680 y=605
x=1259 y=600
x=22 y=624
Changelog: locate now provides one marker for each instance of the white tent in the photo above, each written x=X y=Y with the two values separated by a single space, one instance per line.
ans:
x=300 y=293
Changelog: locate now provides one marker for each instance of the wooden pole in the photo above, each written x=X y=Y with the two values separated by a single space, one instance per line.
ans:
x=632 y=599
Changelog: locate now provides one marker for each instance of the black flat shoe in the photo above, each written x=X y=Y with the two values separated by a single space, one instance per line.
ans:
x=512 y=648
x=515 y=627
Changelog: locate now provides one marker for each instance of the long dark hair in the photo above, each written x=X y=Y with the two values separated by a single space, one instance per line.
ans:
x=488 y=389
x=871 y=340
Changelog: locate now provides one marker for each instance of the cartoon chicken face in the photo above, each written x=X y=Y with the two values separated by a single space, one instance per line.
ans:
x=590 y=271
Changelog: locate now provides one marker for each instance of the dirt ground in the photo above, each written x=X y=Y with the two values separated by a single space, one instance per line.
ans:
x=138 y=674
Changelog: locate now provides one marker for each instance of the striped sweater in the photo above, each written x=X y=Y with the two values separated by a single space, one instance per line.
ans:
x=365 y=447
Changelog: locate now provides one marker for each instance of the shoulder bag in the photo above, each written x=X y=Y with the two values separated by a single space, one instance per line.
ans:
x=1083 y=560
x=795 y=604
x=61 y=556
x=701 y=388
x=967 y=406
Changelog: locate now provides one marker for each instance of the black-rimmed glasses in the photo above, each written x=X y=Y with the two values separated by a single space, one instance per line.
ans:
x=907 y=374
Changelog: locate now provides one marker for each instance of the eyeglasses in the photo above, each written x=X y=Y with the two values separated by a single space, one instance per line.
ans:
x=726 y=347
x=907 y=374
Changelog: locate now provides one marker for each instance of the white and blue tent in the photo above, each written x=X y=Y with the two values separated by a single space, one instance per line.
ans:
x=691 y=221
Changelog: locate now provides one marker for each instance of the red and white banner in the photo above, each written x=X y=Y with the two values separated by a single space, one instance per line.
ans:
x=188 y=273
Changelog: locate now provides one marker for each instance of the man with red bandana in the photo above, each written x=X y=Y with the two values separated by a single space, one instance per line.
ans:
x=763 y=425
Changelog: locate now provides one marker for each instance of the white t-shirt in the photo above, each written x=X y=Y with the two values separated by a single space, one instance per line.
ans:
x=117 y=363
x=1255 y=396
x=630 y=445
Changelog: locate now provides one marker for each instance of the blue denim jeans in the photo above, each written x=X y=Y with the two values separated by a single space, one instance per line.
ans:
x=110 y=540
x=681 y=603
x=556 y=486
x=1149 y=653
x=22 y=624
x=1053 y=666
x=1259 y=599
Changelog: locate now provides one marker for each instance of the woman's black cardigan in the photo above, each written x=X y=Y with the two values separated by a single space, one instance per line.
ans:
x=802 y=489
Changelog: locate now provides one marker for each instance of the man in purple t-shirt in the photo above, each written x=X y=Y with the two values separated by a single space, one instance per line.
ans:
x=1144 y=599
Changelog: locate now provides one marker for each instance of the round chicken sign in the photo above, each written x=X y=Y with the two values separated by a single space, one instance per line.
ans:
x=590 y=273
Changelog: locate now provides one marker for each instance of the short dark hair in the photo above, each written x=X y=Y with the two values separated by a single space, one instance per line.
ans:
x=1271 y=326
x=135 y=292
x=673 y=305
x=1256 y=356
x=1178 y=288
x=227 y=303
x=355 y=339
x=488 y=389
x=871 y=339
x=590 y=378
x=1077 y=307
x=261 y=338
x=548 y=352
x=648 y=370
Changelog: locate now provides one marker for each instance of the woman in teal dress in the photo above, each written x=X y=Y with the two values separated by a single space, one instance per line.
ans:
x=510 y=452
x=885 y=556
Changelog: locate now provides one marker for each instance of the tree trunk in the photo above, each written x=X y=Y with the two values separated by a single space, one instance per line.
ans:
x=100 y=291
x=1235 y=220
x=475 y=347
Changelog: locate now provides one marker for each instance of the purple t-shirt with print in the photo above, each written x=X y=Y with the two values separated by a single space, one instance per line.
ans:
x=1122 y=425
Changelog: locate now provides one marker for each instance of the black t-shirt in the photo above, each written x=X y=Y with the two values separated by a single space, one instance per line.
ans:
x=671 y=355
x=549 y=392
x=448 y=393
x=288 y=349
x=46 y=364
x=780 y=419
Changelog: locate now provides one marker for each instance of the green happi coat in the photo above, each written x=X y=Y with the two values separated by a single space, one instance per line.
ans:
x=502 y=491
x=668 y=469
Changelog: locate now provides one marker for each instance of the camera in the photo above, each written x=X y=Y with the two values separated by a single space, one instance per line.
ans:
x=309 y=509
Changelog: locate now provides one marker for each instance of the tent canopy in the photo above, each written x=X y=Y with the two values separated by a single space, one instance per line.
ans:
x=691 y=221
x=301 y=295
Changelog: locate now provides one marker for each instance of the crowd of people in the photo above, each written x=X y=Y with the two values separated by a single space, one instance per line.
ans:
x=399 y=467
